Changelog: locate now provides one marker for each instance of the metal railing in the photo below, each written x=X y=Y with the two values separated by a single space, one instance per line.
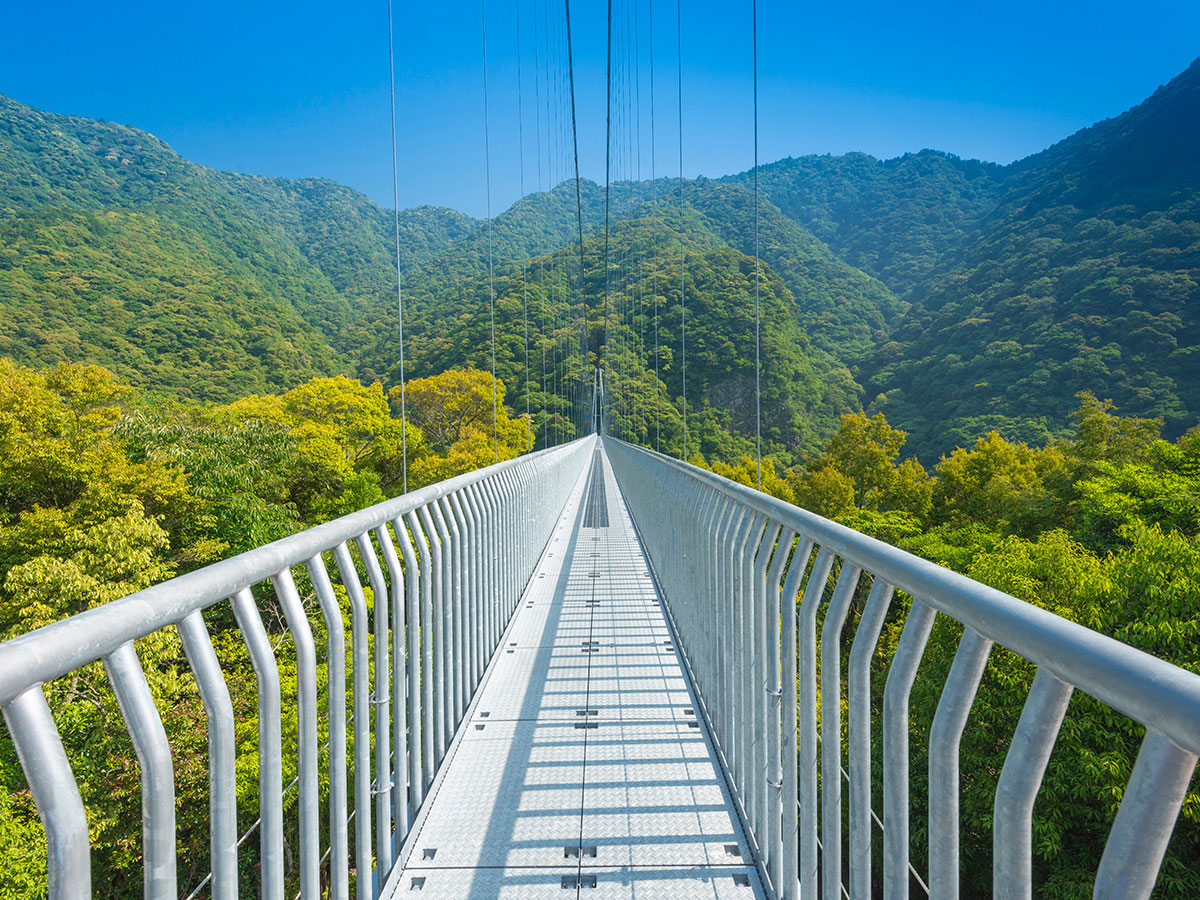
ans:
x=467 y=547
x=732 y=562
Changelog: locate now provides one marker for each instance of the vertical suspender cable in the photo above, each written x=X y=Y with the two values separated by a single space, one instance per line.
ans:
x=643 y=432
x=487 y=163
x=396 y=221
x=607 y=175
x=583 y=342
x=654 y=212
x=757 y=320
x=521 y=178
x=541 y=266
x=682 y=269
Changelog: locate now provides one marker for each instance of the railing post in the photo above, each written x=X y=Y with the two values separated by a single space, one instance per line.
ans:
x=360 y=679
x=270 y=744
x=858 y=690
x=1149 y=808
x=398 y=767
x=831 y=729
x=945 y=738
x=900 y=679
x=814 y=592
x=222 y=793
x=335 y=660
x=158 y=776
x=44 y=761
x=1024 y=766
x=772 y=846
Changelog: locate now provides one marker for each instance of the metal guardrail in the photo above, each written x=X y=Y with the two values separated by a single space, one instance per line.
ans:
x=732 y=563
x=467 y=547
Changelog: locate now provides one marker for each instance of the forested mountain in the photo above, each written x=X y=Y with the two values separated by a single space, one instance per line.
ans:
x=991 y=312
x=955 y=295
x=1086 y=276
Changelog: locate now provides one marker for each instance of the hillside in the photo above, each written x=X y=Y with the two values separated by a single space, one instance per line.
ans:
x=1086 y=277
x=955 y=295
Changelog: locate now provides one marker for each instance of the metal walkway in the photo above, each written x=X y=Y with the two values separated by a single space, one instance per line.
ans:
x=582 y=766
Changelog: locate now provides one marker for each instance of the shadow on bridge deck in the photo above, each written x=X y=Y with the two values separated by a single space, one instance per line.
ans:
x=582 y=766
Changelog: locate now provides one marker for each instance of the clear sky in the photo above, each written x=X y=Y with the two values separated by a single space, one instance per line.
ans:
x=301 y=88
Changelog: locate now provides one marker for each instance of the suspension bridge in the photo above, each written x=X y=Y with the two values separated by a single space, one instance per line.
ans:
x=593 y=670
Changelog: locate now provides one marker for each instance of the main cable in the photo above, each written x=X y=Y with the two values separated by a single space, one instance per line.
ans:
x=396 y=221
x=487 y=162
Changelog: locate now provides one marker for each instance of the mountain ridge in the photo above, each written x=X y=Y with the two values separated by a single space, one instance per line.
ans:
x=916 y=273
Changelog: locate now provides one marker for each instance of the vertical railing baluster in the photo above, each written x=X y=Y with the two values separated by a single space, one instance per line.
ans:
x=475 y=569
x=398 y=768
x=421 y=632
x=52 y=783
x=360 y=656
x=157 y=772
x=381 y=707
x=462 y=687
x=412 y=641
x=814 y=592
x=1145 y=820
x=831 y=729
x=437 y=626
x=335 y=661
x=794 y=844
x=222 y=793
x=306 y=693
x=858 y=691
x=1020 y=778
x=492 y=559
x=270 y=743
x=901 y=674
x=945 y=737
x=756 y=760
x=448 y=622
x=772 y=839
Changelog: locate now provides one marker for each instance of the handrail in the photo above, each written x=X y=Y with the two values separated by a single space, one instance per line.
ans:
x=467 y=547
x=96 y=632
x=724 y=557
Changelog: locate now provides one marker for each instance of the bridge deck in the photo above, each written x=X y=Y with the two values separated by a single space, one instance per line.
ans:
x=582 y=765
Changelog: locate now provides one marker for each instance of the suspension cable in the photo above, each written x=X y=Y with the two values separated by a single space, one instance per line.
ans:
x=521 y=179
x=654 y=219
x=583 y=343
x=757 y=279
x=682 y=267
x=487 y=161
x=607 y=175
x=396 y=222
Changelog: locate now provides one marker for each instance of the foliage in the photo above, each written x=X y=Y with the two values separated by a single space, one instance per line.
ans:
x=103 y=492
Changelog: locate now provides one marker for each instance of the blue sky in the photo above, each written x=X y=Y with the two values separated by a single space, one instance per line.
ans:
x=301 y=88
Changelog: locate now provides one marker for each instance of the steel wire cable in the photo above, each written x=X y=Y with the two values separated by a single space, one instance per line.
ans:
x=682 y=261
x=583 y=346
x=487 y=156
x=396 y=222
x=521 y=194
x=607 y=180
x=757 y=277
x=654 y=218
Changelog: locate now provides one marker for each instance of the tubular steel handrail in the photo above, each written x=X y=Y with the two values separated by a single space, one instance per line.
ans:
x=732 y=562
x=468 y=545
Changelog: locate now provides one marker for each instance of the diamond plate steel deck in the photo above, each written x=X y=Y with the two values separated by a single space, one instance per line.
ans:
x=583 y=770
